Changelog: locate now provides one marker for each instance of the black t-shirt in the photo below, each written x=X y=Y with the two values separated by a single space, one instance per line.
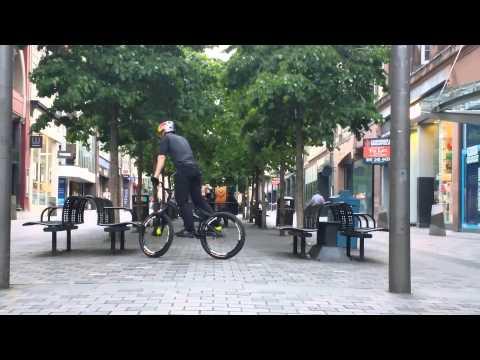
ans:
x=178 y=148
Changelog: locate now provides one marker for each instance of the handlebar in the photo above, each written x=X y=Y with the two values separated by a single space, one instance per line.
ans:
x=157 y=182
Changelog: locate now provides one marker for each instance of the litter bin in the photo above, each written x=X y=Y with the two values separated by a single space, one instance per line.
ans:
x=347 y=197
x=140 y=207
x=327 y=227
x=258 y=218
x=289 y=203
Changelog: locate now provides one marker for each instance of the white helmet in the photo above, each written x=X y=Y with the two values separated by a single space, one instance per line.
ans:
x=166 y=127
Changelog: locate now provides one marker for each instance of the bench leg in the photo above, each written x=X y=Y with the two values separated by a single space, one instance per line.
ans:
x=361 y=248
x=112 y=241
x=54 y=243
x=295 y=245
x=69 y=240
x=348 y=246
x=122 y=240
x=302 y=246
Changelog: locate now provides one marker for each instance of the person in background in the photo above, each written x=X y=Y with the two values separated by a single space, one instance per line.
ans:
x=316 y=199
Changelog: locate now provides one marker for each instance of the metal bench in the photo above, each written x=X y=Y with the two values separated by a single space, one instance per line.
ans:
x=311 y=225
x=106 y=219
x=72 y=215
x=357 y=225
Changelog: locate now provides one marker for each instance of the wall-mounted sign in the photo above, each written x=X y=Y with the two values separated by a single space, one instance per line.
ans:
x=275 y=181
x=36 y=141
x=472 y=159
x=376 y=151
x=65 y=155
x=472 y=150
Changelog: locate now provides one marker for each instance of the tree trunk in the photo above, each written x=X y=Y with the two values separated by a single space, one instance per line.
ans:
x=299 y=182
x=114 y=180
x=140 y=174
x=281 y=207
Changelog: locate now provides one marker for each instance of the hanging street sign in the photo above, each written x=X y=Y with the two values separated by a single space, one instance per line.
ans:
x=36 y=141
x=376 y=151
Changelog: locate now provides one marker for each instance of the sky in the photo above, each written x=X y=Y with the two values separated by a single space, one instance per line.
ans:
x=218 y=53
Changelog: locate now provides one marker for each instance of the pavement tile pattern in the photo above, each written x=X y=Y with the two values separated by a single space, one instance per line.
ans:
x=264 y=279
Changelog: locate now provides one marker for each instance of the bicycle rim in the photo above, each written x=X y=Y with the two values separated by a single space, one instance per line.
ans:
x=156 y=235
x=224 y=243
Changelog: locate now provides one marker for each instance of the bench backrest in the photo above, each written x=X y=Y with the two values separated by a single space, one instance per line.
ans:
x=104 y=216
x=73 y=209
x=343 y=213
x=311 y=215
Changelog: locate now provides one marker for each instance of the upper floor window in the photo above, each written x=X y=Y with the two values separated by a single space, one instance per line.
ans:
x=425 y=53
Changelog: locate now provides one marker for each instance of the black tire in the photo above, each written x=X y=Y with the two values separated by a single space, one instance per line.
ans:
x=150 y=224
x=234 y=224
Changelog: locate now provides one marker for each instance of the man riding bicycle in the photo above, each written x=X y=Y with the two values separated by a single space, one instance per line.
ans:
x=188 y=177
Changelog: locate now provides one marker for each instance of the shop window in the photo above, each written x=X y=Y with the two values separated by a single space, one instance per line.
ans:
x=362 y=185
x=443 y=192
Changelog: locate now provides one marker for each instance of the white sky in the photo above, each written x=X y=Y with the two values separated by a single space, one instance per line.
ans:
x=218 y=52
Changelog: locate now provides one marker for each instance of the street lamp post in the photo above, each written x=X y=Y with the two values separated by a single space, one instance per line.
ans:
x=6 y=58
x=399 y=236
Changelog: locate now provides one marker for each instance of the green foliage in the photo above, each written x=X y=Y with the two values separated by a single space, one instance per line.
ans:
x=325 y=85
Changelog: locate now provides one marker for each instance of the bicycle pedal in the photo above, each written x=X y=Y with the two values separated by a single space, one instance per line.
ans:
x=157 y=232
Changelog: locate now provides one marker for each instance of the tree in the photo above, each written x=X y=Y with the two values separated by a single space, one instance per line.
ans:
x=99 y=89
x=304 y=92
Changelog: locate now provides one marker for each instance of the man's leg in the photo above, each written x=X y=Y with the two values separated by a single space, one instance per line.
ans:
x=182 y=190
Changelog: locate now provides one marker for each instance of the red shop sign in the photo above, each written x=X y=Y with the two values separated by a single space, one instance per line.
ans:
x=376 y=151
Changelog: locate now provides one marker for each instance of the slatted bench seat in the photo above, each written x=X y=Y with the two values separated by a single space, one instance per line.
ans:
x=356 y=225
x=72 y=215
x=106 y=219
x=311 y=225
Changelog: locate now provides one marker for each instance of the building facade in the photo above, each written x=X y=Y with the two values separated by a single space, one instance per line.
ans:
x=438 y=142
x=48 y=169
x=444 y=144
x=21 y=125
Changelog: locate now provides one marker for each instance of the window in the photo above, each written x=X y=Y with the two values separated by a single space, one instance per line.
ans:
x=425 y=53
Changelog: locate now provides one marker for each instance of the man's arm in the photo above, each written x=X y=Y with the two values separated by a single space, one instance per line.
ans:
x=160 y=165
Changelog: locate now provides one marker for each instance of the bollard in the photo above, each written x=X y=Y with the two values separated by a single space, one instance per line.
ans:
x=383 y=221
x=437 y=222
x=13 y=207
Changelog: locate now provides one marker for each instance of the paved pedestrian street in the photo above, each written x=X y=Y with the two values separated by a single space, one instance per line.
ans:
x=265 y=278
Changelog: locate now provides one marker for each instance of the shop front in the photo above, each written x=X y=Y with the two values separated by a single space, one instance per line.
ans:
x=471 y=178
x=43 y=172
x=103 y=169
x=457 y=185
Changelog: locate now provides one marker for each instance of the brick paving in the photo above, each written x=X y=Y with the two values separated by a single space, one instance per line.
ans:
x=263 y=279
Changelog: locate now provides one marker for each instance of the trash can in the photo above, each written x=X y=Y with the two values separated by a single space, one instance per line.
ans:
x=258 y=218
x=289 y=203
x=328 y=228
x=347 y=197
x=140 y=207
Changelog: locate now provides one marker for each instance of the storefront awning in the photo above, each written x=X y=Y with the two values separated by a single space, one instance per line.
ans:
x=457 y=104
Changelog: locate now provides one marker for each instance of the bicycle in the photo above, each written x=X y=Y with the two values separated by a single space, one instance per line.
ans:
x=220 y=242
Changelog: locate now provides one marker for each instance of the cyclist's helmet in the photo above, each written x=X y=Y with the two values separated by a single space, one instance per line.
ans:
x=165 y=128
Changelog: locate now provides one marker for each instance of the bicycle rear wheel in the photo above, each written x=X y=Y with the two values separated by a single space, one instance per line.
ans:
x=222 y=235
x=156 y=236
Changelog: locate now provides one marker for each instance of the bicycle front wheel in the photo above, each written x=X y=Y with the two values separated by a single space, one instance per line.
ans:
x=156 y=236
x=222 y=235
